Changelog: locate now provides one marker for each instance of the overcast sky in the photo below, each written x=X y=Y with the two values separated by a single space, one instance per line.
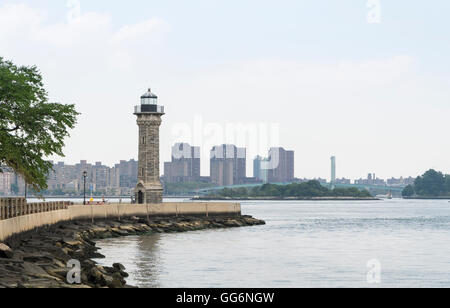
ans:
x=367 y=83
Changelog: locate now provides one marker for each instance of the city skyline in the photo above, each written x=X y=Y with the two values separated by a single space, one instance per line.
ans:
x=195 y=154
x=249 y=162
x=378 y=102
x=121 y=178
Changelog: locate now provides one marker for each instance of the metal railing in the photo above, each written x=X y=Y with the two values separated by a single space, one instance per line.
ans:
x=14 y=207
x=148 y=109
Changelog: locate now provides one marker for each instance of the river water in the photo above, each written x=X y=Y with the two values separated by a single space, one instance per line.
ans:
x=304 y=244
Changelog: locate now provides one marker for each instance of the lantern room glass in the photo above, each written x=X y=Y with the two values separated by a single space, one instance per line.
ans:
x=149 y=101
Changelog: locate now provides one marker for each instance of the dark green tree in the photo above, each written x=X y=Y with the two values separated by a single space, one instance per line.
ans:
x=301 y=190
x=447 y=184
x=31 y=128
x=408 y=191
x=432 y=183
x=242 y=192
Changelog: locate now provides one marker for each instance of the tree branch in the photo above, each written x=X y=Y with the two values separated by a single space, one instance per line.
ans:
x=9 y=130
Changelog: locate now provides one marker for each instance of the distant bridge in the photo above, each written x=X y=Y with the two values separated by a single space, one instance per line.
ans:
x=385 y=188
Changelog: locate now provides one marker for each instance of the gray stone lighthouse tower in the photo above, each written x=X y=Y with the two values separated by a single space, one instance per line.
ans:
x=149 y=188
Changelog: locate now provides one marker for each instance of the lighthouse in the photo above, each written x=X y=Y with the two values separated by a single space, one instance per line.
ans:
x=149 y=113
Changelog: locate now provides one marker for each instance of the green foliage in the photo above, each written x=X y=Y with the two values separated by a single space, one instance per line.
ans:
x=31 y=128
x=353 y=192
x=431 y=184
x=299 y=190
x=408 y=191
x=447 y=183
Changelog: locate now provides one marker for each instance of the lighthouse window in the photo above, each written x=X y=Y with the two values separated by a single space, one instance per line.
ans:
x=149 y=101
x=143 y=140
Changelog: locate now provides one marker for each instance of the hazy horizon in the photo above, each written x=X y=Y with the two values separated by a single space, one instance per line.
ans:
x=367 y=84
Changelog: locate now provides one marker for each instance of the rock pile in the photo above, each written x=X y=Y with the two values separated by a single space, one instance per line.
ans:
x=40 y=259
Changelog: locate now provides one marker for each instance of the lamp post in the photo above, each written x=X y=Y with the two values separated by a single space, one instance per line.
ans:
x=84 y=187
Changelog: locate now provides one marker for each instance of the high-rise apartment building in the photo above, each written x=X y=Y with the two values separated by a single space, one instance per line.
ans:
x=281 y=165
x=185 y=164
x=257 y=167
x=333 y=169
x=260 y=169
x=228 y=165
x=126 y=173
x=100 y=177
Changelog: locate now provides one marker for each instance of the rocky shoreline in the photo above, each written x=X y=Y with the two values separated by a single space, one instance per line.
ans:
x=39 y=259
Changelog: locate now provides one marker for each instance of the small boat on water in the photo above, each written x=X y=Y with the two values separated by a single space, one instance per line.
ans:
x=389 y=196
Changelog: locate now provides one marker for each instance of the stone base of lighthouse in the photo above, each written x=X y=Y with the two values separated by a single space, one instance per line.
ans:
x=148 y=194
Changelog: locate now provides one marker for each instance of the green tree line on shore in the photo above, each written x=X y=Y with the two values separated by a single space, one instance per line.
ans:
x=431 y=184
x=295 y=190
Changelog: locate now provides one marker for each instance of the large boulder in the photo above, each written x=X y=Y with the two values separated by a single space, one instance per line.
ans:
x=96 y=277
x=119 y=267
x=5 y=251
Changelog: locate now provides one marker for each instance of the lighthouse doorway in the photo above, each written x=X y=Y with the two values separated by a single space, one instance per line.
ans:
x=140 y=197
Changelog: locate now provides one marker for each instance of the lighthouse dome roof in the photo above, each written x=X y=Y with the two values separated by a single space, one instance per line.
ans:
x=149 y=94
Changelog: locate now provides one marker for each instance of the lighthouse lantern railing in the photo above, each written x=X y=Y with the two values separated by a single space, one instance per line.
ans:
x=148 y=108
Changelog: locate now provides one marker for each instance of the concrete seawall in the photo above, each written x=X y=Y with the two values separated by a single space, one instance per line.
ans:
x=17 y=225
